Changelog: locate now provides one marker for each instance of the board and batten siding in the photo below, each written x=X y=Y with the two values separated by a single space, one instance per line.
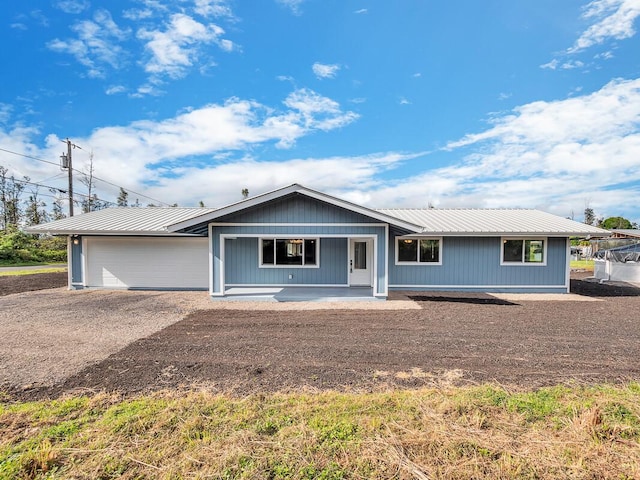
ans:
x=75 y=262
x=242 y=265
x=328 y=258
x=147 y=262
x=296 y=209
x=475 y=261
x=290 y=218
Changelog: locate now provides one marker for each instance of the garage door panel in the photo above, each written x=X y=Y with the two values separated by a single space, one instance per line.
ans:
x=147 y=262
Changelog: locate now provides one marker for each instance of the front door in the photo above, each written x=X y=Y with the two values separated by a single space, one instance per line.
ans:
x=360 y=264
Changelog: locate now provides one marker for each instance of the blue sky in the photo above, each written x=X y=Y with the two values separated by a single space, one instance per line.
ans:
x=534 y=103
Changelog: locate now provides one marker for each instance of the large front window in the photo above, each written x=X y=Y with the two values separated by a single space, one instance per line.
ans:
x=418 y=250
x=523 y=251
x=301 y=252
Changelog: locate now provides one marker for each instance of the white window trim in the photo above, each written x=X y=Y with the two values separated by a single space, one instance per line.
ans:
x=292 y=237
x=398 y=262
x=523 y=263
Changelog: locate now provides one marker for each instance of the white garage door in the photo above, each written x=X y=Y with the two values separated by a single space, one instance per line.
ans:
x=147 y=262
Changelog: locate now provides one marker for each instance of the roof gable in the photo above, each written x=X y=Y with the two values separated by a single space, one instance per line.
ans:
x=260 y=200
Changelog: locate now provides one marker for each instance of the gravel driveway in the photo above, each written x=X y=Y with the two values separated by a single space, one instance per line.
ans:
x=47 y=335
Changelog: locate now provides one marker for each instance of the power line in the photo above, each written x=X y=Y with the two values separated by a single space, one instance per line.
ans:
x=62 y=190
x=81 y=172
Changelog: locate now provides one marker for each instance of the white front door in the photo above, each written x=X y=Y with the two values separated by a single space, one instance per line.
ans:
x=360 y=261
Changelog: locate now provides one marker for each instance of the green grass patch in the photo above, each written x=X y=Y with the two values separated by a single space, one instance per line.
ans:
x=10 y=263
x=15 y=273
x=582 y=265
x=468 y=432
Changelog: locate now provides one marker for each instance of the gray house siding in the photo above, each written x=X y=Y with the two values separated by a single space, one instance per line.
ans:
x=292 y=217
x=475 y=261
x=76 y=261
x=296 y=209
x=242 y=265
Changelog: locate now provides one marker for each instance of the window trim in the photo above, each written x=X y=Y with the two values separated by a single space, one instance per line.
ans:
x=417 y=260
x=522 y=263
x=291 y=237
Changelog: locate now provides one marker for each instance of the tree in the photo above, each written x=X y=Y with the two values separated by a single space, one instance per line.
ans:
x=245 y=193
x=10 y=193
x=617 y=223
x=57 y=213
x=201 y=204
x=87 y=179
x=36 y=212
x=589 y=216
x=123 y=198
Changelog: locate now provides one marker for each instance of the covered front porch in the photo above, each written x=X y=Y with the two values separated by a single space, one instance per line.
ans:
x=299 y=294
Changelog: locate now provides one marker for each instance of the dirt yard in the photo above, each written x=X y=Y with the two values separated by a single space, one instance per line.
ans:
x=446 y=338
x=28 y=283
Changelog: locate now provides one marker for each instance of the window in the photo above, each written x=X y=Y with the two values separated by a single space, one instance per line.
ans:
x=289 y=252
x=418 y=250
x=523 y=251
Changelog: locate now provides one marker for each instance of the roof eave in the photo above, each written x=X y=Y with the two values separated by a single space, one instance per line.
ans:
x=124 y=233
x=511 y=234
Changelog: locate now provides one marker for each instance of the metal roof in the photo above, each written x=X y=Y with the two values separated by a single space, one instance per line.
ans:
x=121 y=220
x=626 y=231
x=296 y=189
x=433 y=221
x=458 y=221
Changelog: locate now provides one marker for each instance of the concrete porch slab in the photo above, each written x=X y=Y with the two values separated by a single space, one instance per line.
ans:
x=300 y=294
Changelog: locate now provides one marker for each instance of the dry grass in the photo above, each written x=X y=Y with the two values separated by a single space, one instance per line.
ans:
x=581 y=432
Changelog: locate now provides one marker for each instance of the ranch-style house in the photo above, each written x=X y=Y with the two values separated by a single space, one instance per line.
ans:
x=299 y=237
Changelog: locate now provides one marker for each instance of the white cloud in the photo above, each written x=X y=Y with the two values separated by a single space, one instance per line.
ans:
x=613 y=19
x=96 y=45
x=322 y=70
x=136 y=14
x=417 y=75
x=361 y=11
x=572 y=64
x=404 y=101
x=293 y=5
x=39 y=17
x=213 y=8
x=115 y=89
x=18 y=26
x=173 y=159
x=5 y=112
x=146 y=90
x=174 y=50
x=325 y=174
x=550 y=154
x=608 y=55
x=72 y=6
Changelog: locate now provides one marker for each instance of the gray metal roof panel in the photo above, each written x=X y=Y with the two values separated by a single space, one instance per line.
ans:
x=632 y=232
x=492 y=221
x=151 y=220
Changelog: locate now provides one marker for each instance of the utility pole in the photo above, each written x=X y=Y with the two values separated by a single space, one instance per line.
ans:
x=67 y=164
